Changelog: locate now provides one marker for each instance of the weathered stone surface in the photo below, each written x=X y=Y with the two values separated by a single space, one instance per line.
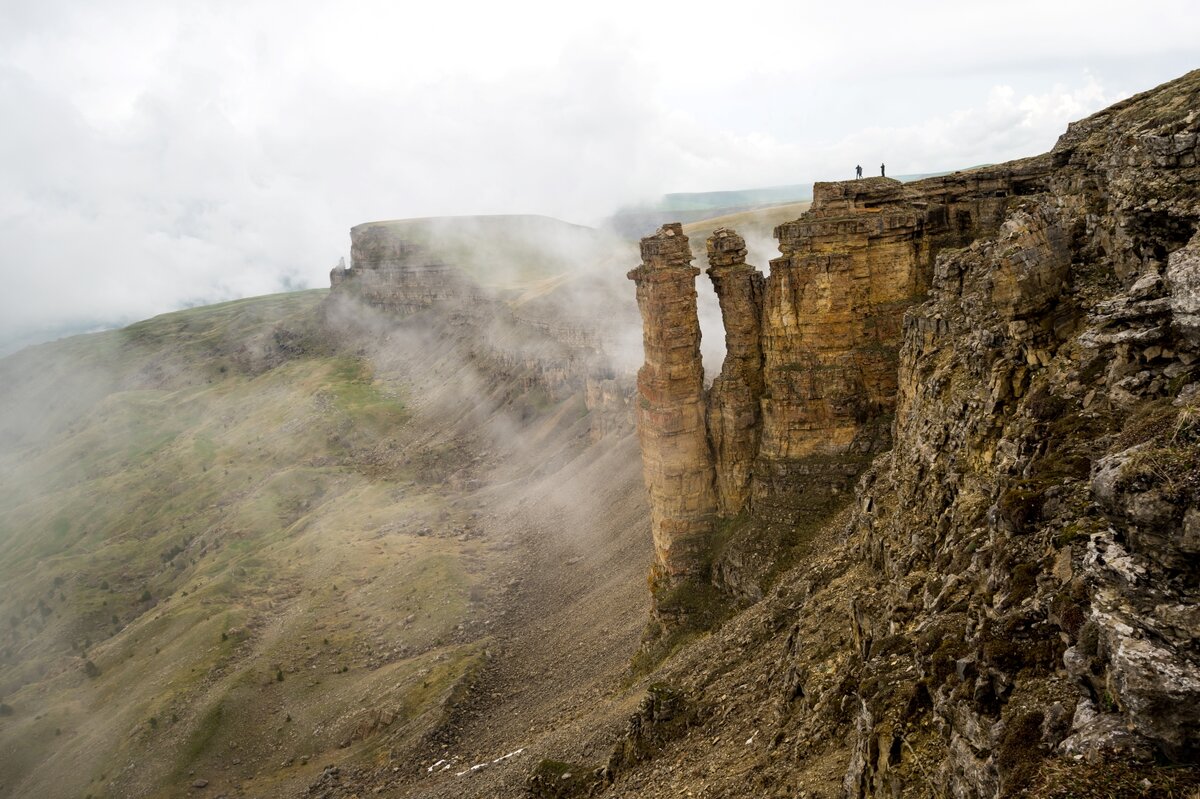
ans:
x=676 y=458
x=389 y=271
x=1158 y=687
x=1183 y=278
x=1016 y=595
x=1046 y=451
x=841 y=286
x=1154 y=521
x=734 y=415
x=836 y=298
x=808 y=387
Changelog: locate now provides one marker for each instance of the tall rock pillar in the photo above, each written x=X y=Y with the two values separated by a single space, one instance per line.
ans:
x=734 y=413
x=676 y=460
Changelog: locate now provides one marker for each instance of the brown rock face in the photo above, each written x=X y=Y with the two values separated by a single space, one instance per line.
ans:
x=734 y=415
x=1025 y=381
x=1022 y=568
x=808 y=388
x=676 y=458
x=835 y=303
x=390 y=272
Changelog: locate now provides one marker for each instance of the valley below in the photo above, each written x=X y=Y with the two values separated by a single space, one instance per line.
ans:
x=923 y=524
x=238 y=563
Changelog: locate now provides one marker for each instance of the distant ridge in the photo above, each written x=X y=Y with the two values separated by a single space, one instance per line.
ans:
x=693 y=206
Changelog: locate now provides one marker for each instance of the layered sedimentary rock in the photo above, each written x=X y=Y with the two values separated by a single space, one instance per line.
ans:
x=1039 y=510
x=808 y=388
x=848 y=270
x=390 y=271
x=1023 y=565
x=734 y=415
x=676 y=458
x=541 y=348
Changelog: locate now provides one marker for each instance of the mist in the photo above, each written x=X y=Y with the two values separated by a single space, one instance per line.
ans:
x=304 y=468
x=165 y=158
x=295 y=525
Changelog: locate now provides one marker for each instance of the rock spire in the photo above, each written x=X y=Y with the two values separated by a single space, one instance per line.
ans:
x=676 y=459
x=734 y=419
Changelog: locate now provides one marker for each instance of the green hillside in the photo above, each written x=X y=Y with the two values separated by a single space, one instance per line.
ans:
x=198 y=545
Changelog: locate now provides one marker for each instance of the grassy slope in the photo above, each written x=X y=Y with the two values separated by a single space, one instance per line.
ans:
x=199 y=520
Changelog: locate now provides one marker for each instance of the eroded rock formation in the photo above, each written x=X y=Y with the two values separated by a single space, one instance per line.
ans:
x=848 y=270
x=734 y=414
x=1012 y=355
x=676 y=458
x=1046 y=421
x=390 y=271
x=808 y=388
x=542 y=348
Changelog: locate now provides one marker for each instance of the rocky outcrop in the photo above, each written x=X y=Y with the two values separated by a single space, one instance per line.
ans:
x=1183 y=287
x=1034 y=528
x=403 y=274
x=676 y=458
x=734 y=415
x=848 y=270
x=391 y=272
x=808 y=387
x=1009 y=359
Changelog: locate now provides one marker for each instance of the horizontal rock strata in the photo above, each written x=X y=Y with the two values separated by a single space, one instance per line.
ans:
x=676 y=457
x=734 y=406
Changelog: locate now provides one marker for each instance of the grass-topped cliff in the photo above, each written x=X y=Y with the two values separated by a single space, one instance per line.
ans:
x=504 y=252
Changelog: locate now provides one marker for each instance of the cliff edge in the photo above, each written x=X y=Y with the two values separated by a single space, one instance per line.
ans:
x=978 y=435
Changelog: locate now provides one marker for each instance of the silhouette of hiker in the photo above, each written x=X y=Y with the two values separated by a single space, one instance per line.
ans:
x=882 y=172
x=858 y=172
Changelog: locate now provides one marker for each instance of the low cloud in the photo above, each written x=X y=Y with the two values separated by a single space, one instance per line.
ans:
x=156 y=159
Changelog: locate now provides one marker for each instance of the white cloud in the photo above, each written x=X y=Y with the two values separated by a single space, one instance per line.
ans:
x=156 y=154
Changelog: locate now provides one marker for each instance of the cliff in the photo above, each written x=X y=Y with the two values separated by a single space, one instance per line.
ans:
x=1043 y=481
x=389 y=271
x=670 y=411
x=989 y=380
x=848 y=269
x=474 y=274
x=808 y=388
x=734 y=414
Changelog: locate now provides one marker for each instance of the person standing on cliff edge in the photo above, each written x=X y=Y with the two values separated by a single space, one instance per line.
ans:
x=882 y=171
x=858 y=172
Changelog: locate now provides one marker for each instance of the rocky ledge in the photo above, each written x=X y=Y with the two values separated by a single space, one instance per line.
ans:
x=1009 y=359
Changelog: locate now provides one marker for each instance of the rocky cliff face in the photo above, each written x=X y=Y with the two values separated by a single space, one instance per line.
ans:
x=1040 y=503
x=399 y=270
x=848 y=270
x=734 y=412
x=391 y=272
x=808 y=388
x=1018 y=571
x=676 y=458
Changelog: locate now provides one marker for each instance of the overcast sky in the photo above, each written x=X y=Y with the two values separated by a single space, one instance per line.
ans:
x=157 y=154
